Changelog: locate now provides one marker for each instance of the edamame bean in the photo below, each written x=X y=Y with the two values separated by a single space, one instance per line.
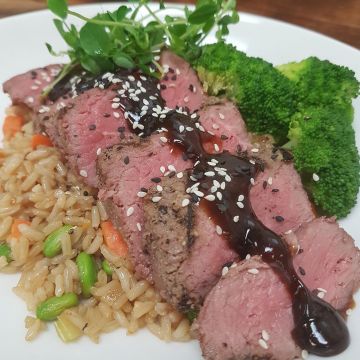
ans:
x=5 y=251
x=52 y=244
x=87 y=272
x=107 y=267
x=51 y=308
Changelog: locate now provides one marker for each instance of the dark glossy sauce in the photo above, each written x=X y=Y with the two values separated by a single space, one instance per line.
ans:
x=222 y=183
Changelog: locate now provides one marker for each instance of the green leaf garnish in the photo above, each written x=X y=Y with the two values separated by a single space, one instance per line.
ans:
x=129 y=39
x=58 y=7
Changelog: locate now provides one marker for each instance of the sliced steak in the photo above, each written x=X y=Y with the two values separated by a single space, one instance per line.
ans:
x=240 y=307
x=328 y=260
x=246 y=302
x=26 y=88
x=278 y=197
x=87 y=127
x=146 y=157
x=180 y=86
x=186 y=253
x=126 y=171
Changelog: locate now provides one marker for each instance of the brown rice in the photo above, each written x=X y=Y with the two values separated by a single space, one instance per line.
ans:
x=37 y=187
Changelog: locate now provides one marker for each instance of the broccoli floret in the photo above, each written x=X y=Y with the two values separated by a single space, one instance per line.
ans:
x=321 y=82
x=265 y=97
x=322 y=140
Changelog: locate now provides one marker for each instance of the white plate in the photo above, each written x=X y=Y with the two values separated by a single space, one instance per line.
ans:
x=22 y=48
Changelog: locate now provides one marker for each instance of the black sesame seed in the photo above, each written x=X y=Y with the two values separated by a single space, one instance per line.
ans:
x=126 y=160
x=279 y=218
x=275 y=190
x=172 y=174
x=162 y=86
x=191 y=87
x=300 y=251
x=274 y=156
x=223 y=137
x=265 y=184
x=46 y=118
x=302 y=271
x=228 y=264
x=144 y=189
x=33 y=75
x=86 y=193
x=171 y=70
x=106 y=115
x=166 y=78
x=156 y=180
x=121 y=129
x=174 y=78
x=92 y=127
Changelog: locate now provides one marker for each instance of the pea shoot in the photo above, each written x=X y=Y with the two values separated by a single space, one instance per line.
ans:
x=133 y=36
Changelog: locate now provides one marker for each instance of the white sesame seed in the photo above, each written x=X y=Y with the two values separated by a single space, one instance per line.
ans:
x=219 y=195
x=141 y=194
x=221 y=116
x=321 y=289
x=209 y=173
x=156 y=199
x=348 y=312
x=83 y=173
x=145 y=102
x=213 y=189
x=30 y=99
x=255 y=150
x=138 y=225
x=181 y=128
x=177 y=71
x=216 y=147
x=193 y=116
x=240 y=204
x=171 y=168
x=270 y=180
x=321 y=295
x=98 y=151
x=115 y=105
x=131 y=78
x=236 y=218
x=304 y=354
x=162 y=169
x=227 y=178
x=185 y=202
x=188 y=128
x=288 y=232
x=116 y=114
x=186 y=99
x=179 y=175
x=163 y=139
x=116 y=99
x=252 y=162
x=252 y=181
x=247 y=257
x=159 y=188
x=219 y=230
x=215 y=126
x=210 y=197
x=34 y=87
x=199 y=193
x=129 y=211
x=224 y=270
x=315 y=177
x=241 y=198
x=263 y=344
x=253 y=271
x=265 y=335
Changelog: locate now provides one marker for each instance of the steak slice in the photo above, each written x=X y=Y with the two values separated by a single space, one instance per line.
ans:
x=241 y=309
x=243 y=304
x=146 y=157
x=330 y=260
x=85 y=128
x=26 y=88
x=180 y=86
x=278 y=197
x=186 y=253
x=126 y=171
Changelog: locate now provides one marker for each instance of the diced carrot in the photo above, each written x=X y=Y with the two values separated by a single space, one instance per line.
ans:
x=39 y=139
x=14 y=228
x=113 y=239
x=12 y=124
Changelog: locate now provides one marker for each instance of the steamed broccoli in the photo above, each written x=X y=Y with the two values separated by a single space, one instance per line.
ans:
x=321 y=135
x=325 y=154
x=319 y=82
x=265 y=97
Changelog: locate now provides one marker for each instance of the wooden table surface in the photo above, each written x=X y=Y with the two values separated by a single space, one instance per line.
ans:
x=339 y=19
